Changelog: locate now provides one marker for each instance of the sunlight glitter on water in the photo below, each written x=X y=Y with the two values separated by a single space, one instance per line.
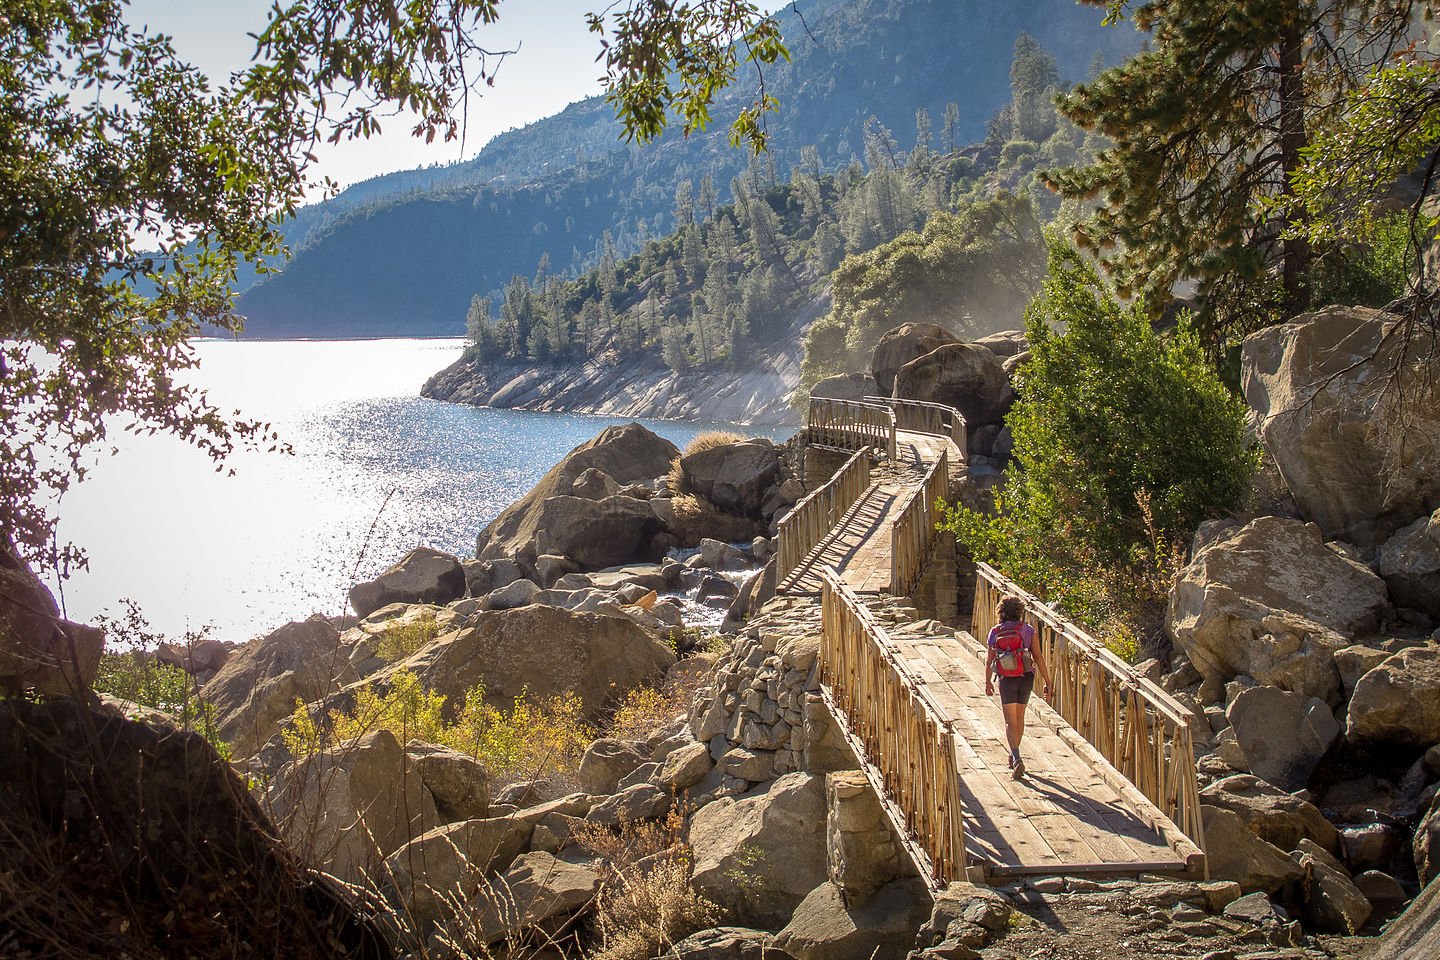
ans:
x=287 y=535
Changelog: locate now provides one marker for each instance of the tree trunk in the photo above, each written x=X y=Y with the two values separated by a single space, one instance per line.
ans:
x=1295 y=251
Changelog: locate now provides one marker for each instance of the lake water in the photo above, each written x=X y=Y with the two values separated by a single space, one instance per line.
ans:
x=376 y=471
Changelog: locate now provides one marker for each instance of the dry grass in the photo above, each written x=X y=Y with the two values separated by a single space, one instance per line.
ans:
x=646 y=904
x=704 y=441
x=646 y=709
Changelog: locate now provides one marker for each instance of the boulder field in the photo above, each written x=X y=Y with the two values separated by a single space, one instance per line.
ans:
x=1303 y=638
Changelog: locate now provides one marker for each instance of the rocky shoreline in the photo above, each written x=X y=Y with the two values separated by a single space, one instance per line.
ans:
x=1303 y=639
x=757 y=395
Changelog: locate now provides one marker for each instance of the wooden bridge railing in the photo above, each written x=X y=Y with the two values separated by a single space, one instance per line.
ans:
x=890 y=718
x=922 y=416
x=850 y=425
x=1143 y=731
x=816 y=514
x=913 y=531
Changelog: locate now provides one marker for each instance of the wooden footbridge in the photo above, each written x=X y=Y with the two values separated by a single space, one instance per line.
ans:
x=1110 y=784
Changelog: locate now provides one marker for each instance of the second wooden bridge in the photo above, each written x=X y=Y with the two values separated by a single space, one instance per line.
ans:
x=1111 y=785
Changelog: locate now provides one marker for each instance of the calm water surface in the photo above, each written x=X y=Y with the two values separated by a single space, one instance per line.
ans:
x=376 y=471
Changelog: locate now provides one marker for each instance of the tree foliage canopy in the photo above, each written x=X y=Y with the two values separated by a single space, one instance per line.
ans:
x=1210 y=126
x=1124 y=443
x=134 y=186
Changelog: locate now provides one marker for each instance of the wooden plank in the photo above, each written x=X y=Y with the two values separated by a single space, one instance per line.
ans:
x=1061 y=789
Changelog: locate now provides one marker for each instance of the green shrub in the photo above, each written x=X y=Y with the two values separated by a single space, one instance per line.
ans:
x=547 y=736
x=1124 y=442
x=133 y=674
x=404 y=639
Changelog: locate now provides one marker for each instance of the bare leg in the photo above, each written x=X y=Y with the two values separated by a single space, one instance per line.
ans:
x=1014 y=724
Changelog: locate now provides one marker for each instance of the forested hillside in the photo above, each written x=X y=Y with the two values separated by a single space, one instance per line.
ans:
x=404 y=254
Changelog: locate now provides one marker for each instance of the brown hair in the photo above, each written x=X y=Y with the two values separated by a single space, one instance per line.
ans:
x=1009 y=608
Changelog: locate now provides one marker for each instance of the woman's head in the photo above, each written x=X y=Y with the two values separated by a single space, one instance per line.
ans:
x=1009 y=608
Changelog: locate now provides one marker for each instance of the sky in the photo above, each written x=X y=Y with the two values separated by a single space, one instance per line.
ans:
x=553 y=66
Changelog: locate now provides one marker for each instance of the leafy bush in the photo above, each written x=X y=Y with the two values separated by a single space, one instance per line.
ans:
x=133 y=673
x=404 y=639
x=532 y=737
x=1124 y=443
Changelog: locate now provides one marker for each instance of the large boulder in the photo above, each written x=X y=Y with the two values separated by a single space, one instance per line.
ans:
x=537 y=886
x=1283 y=735
x=1235 y=853
x=458 y=782
x=1415 y=934
x=1330 y=389
x=1279 y=818
x=881 y=928
x=734 y=476
x=259 y=684
x=543 y=652
x=423 y=576
x=348 y=807
x=627 y=454
x=1410 y=563
x=1273 y=601
x=1398 y=702
x=966 y=376
x=760 y=854
x=123 y=838
x=899 y=345
x=37 y=646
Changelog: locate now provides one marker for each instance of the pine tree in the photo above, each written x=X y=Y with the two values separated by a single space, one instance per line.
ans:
x=1209 y=125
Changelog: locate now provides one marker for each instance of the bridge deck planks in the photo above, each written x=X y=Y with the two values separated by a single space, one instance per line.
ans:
x=1063 y=813
x=1064 y=816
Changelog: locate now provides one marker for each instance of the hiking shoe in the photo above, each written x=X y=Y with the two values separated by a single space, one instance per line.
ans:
x=1017 y=769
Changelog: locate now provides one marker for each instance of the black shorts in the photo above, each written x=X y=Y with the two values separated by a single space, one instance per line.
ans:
x=1017 y=689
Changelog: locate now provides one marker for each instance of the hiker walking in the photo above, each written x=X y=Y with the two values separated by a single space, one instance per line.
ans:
x=1013 y=657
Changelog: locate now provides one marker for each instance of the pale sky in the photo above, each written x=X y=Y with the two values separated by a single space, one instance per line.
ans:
x=554 y=66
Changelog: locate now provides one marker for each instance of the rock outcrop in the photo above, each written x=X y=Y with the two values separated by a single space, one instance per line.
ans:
x=260 y=682
x=966 y=376
x=738 y=477
x=1271 y=600
x=1328 y=388
x=900 y=345
x=423 y=576
x=543 y=651
x=611 y=530
x=37 y=647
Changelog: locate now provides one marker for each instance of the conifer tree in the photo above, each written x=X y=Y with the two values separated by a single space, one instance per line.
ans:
x=1209 y=125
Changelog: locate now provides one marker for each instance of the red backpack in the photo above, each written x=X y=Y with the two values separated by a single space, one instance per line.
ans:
x=1011 y=650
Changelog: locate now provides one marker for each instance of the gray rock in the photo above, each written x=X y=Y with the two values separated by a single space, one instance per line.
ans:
x=760 y=854
x=594 y=484
x=537 y=886
x=423 y=576
x=1283 y=735
x=1234 y=853
x=882 y=928
x=1410 y=563
x=685 y=766
x=967 y=377
x=1256 y=908
x=1276 y=816
x=1398 y=702
x=736 y=477
x=1415 y=934
x=1426 y=846
x=643 y=801
x=1355 y=661
x=517 y=594
x=845 y=386
x=898 y=346
x=1322 y=387
x=724 y=943
x=459 y=783
x=606 y=761
x=1332 y=900
x=1274 y=602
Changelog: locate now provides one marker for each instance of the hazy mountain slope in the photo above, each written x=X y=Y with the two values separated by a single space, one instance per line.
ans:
x=403 y=254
